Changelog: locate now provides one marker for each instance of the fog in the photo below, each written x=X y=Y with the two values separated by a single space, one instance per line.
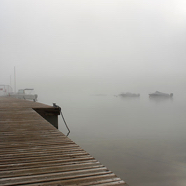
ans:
x=82 y=54
x=93 y=38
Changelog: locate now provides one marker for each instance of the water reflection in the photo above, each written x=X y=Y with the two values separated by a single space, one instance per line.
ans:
x=160 y=99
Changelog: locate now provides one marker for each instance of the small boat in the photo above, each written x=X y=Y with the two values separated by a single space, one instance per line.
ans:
x=158 y=94
x=129 y=95
x=25 y=94
x=6 y=90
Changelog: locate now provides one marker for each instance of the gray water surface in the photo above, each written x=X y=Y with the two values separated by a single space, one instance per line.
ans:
x=140 y=140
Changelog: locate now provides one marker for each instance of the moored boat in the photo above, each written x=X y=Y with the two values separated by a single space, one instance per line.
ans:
x=158 y=94
x=25 y=94
x=129 y=95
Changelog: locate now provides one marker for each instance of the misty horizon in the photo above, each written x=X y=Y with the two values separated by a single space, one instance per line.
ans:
x=93 y=38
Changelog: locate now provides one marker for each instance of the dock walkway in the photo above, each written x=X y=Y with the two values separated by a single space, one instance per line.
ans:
x=33 y=152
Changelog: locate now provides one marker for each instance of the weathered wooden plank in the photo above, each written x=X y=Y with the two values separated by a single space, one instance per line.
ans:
x=17 y=165
x=24 y=152
x=54 y=176
x=38 y=149
x=84 y=181
x=47 y=170
x=38 y=154
x=45 y=156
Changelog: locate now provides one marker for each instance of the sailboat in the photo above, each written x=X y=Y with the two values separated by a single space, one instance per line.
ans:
x=25 y=94
x=6 y=90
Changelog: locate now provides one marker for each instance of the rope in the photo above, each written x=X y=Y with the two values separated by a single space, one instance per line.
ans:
x=62 y=118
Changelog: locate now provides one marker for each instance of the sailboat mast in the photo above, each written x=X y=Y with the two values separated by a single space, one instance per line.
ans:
x=14 y=80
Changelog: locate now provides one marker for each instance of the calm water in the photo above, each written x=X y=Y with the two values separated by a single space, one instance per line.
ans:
x=142 y=141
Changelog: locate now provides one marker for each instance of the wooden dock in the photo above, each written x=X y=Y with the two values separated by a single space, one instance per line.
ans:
x=33 y=152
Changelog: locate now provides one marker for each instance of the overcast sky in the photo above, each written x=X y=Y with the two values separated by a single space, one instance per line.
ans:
x=92 y=38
